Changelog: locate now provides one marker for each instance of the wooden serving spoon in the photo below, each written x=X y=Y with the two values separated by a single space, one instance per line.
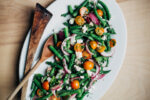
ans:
x=46 y=53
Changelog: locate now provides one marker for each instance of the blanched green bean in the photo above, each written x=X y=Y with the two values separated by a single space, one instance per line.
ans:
x=66 y=32
x=70 y=9
x=54 y=65
x=45 y=97
x=71 y=61
x=55 y=52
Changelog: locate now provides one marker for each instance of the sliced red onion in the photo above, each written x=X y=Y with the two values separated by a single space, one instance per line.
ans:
x=100 y=76
x=57 y=86
x=61 y=35
x=87 y=48
x=94 y=18
x=75 y=78
x=72 y=96
x=87 y=18
x=97 y=71
x=66 y=67
x=53 y=91
x=64 y=44
x=108 y=54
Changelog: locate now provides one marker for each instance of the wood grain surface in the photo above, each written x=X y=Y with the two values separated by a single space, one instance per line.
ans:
x=133 y=81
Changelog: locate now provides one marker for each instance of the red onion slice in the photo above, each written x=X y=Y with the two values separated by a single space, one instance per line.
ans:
x=72 y=96
x=64 y=44
x=87 y=48
x=57 y=86
x=61 y=35
x=94 y=18
x=97 y=71
x=100 y=76
x=66 y=67
x=108 y=54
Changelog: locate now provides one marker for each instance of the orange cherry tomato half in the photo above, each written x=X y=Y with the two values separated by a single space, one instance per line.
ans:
x=99 y=31
x=112 y=42
x=75 y=84
x=93 y=44
x=86 y=55
x=83 y=11
x=88 y=65
x=58 y=44
x=54 y=98
x=78 y=47
x=39 y=93
x=100 y=12
x=79 y=20
x=45 y=85
x=100 y=49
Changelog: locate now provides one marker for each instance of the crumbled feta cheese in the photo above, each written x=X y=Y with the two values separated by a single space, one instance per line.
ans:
x=82 y=77
x=79 y=55
x=84 y=29
x=73 y=40
x=48 y=79
x=79 y=41
x=59 y=89
x=82 y=71
x=77 y=68
x=67 y=81
x=85 y=88
x=74 y=99
x=89 y=72
x=69 y=88
x=104 y=64
x=60 y=73
x=91 y=24
x=104 y=37
x=71 y=21
x=77 y=61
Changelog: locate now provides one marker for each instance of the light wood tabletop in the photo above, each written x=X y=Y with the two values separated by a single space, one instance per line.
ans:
x=132 y=82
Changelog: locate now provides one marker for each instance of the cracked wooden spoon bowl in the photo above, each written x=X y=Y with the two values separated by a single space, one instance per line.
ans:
x=46 y=53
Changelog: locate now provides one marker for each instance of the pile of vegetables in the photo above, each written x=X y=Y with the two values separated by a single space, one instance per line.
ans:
x=82 y=50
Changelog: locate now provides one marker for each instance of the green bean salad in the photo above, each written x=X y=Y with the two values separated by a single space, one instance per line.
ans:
x=81 y=52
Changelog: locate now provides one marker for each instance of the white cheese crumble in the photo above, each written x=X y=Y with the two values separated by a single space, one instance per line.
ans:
x=84 y=29
x=60 y=72
x=89 y=72
x=104 y=37
x=73 y=40
x=79 y=41
x=77 y=61
x=91 y=24
x=82 y=77
x=104 y=64
x=67 y=81
x=48 y=79
x=71 y=21
x=69 y=88
x=59 y=89
x=77 y=68
x=79 y=55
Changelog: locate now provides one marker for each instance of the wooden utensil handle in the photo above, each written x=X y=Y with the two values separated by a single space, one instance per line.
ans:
x=24 y=80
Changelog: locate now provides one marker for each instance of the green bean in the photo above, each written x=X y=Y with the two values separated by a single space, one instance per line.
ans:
x=43 y=79
x=66 y=57
x=52 y=71
x=73 y=75
x=70 y=9
x=71 y=61
x=54 y=65
x=98 y=38
x=66 y=24
x=33 y=92
x=55 y=39
x=75 y=27
x=93 y=70
x=45 y=97
x=70 y=92
x=106 y=9
x=65 y=14
x=90 y=29
x=66 y=77
x=32 y=85
x=78 y=8
x=69 y=51
x=38 y=76
x=66 y=32
x=111 y=30
x=75 y=31
x=100 y=19
x=38 y=84
x=55 y=52
x=68 y=44
x=83 y=95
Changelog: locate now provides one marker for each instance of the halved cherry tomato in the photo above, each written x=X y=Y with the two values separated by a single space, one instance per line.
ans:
x=79 y=20
x=83 y=11
x=78 y=47
x=86 y=55
x=88 y=65
x=100 y=12
x=93 y=44
x=54 y=98
x=58 y=44
x=39 y=93
x=75 y=84
x=46 y=85
x=112 y=42
x=99 y=31
x=100 y=49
